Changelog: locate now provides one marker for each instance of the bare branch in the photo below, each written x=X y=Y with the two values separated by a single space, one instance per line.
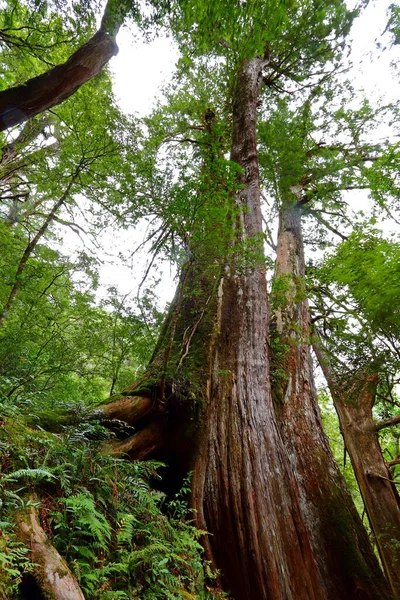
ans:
x=387 y=423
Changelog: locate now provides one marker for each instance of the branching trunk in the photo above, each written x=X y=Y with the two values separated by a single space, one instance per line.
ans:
x=346 y=569
x=19 y=103
x=243 y=489
x=353 y=401
x=51 y=572
x=205 y=403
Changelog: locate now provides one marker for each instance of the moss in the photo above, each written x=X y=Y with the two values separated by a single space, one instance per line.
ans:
x=278 y=357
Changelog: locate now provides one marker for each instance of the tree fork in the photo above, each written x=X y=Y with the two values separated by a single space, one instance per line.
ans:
x=221 y=418
x=242 y=490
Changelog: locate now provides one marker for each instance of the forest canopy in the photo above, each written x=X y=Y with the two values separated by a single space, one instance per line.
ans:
x=242 y=440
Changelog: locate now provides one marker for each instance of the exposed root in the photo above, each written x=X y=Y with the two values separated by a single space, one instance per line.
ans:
x=141 y=445
x=129 y=409
x=52 y=572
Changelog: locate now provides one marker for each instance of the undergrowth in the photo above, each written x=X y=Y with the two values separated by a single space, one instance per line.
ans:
x=121 y=538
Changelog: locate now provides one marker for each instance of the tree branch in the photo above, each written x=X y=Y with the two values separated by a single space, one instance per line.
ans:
x=30 y=248
x=52 y=572
x=19 y=103
x=387 y=423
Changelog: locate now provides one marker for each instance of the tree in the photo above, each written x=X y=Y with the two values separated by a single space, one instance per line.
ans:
x=243 y=471
x=265 y=485
x=355 y=372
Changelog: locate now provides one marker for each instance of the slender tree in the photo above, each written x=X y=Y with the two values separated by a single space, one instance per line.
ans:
x=362 y=371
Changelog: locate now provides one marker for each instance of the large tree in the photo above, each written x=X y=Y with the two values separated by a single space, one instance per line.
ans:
x=265 y=483
x=225 y=394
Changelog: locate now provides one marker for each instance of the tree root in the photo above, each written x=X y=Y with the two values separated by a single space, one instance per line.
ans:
x=52 y=572
x=141 y=445
x=129 y=409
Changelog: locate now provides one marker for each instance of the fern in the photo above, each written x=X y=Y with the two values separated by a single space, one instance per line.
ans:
x=29 y=474
x=87 y=519
x=119 y=536
x=128 y=524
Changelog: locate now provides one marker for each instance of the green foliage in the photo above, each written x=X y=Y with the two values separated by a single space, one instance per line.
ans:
x=393 y=25
x=14 y=560
x=36 y=35
x=314 y=29
x=57 y=345
x=368 y=266
x=120 y=538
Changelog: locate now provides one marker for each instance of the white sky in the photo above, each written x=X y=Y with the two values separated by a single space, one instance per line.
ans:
x=139 y=71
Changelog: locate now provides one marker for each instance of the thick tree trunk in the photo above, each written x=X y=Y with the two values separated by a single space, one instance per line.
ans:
x=346 y=564
x=51 y=572
x=243 y=491
x=165 y=409
x=19 y=103
x=353 y=402
x=209 y=404
x=206 y=403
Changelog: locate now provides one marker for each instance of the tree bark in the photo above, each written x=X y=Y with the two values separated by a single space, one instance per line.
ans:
x=346 y=564
x=19 y=103
x=242 y=488
x=207 y=405
x=354 y=400
x=52 y=572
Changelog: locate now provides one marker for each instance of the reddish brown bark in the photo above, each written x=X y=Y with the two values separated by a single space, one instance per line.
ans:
x=129 y=409
x=354 y=400
x=346 y=564
x=219 y=417
x=242 y=488
x=19 y=103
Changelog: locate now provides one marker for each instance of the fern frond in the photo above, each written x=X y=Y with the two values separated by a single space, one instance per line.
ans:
x=32 y=474
x=127 y=529
x=88 y=519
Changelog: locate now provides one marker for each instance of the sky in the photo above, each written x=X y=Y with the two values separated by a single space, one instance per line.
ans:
x=140 y=69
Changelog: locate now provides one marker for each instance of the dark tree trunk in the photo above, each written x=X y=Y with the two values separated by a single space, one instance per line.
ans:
x=346 y=564
x=354 y=401
x=19 y=103
x=206 y=403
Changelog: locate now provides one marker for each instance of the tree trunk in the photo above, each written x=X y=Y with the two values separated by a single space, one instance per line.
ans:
x=346 y=564
x=51 y=571
x=19 y=103
x=353 y=402
x=206 y=403
x=243 y=492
